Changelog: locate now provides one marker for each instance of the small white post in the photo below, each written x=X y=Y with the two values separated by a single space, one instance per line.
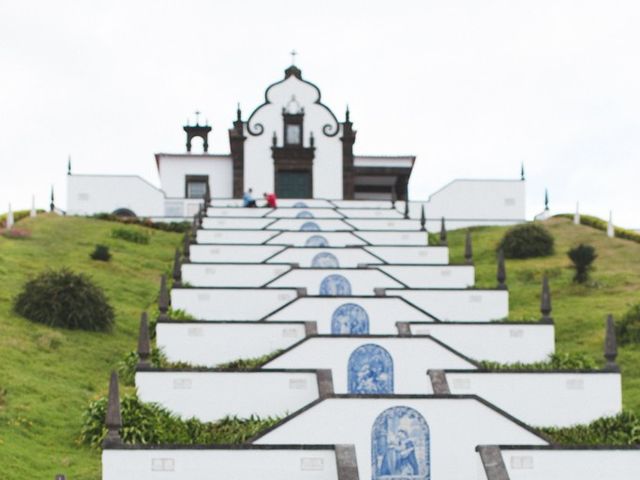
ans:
x=33 y=206
x=9 y=218
x=610 y=231
x=576 y=216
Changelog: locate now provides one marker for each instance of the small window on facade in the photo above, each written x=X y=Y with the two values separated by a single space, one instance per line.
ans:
x=196 y=186
x=294 y=135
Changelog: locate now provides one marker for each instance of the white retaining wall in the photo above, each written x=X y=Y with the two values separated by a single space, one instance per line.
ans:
x=235 y=223
x=234 y=236
x=497 y=342
x=299 y=239
x=237 y=212
x=347 y=257
x=232 y=253
x=201 y=463
x=383 y=312
x=385 y=224
x=294 y=212
x=582 y=464
x=545 y=398
x=412 y=357
x=411 y=255
x=212 y=343
x=394 y=238
x=231 y=275
x=432 y=276
x=457 y=426
x=459 y=305
x=362 y=281
x=364 y=213
x=230 y=304
x=295 y=224
x=211 y=395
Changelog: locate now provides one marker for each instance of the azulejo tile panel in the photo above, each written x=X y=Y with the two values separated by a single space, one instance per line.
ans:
x=370 y=370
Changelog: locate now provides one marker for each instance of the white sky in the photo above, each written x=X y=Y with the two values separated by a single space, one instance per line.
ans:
x=471 y=87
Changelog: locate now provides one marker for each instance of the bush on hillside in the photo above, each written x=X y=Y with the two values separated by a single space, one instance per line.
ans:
x=628 y=328
x=556 y=361
x=179 y=227
x=148 y=423
x=129 y=235
x=65 y=299
x=622 y=429
x=582 y=258
x=527 y=240
x=101 y=253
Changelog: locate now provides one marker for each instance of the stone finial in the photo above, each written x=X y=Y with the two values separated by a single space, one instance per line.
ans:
x=207 y=198
x=546 y=200
x=177 y=269
x=69 y=165
x=443 y=233
x=423 y=219
x=610 y=346
x=611 y=232
x=545 y=301
x=274 y=140
x=163 y=299
x=522 y=171
x=501 y=274
x=439 y=382
x=52 y=203
x=468 y=249
x=186 y=245
x=406 y=209
x=576 y=216
x=9 y=222
x=144 y=342
x=113 y=418
x=200 y=215
x=194 y=227
x=312 y=140
x=394 y=197
x=33 y=211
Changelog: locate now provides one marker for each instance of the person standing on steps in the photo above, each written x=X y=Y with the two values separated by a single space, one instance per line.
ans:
x=247 y=199
x=271 y=200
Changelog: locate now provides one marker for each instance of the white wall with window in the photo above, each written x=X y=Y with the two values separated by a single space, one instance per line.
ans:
x=175 y=170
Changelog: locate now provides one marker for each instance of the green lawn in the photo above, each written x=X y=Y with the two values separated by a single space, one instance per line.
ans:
x=49 y=375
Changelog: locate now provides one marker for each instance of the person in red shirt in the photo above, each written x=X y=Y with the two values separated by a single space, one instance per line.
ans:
x=271 y=199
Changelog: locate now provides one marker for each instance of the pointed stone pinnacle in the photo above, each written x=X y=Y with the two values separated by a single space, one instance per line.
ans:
x=610 y=346
x=113 y=419
x=186 y=245
x=443 y=233
x=502 y=271
x=545 y=301
x=177 y=269
x=423 y=219
x=406 y=209
x=144 y=342
x=163 y=299
x=468 y=249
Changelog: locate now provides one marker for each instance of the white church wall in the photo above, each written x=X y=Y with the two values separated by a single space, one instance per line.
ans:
x=411 y=255
x=411 y=358
x=318 y=213
x=212 y=395
x=384 y=224
x=304 y=257
x=299 y=224
x=394 y=238
x=382 y=313
x=359 y=281
x=327 y=164
x=497 y=342
x=232 y=253
x=236 y=223
x=234 y=236
x=90 y=194
x=557 y=399
x=459 y=305
x=231 y=275
x=230 y=304
x=241 y=463
x=302 y=239
x=580 y=463
x=173 y=170
x=456 y=427
x=432 y=276
x=212 y=343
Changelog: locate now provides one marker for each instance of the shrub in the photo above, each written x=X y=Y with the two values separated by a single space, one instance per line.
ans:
x=628 y=328
x=527 y=240
x=249 y=363
x=622 y=429
x=101 y=253
x=148 y=423
x=16 y=233
x=179 y=227
x=556 y=361
x=65 y=299
x=582 y=257
x=129 y=235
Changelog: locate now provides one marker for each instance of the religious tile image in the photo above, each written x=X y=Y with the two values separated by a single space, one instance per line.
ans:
x=335 y=285
x=370 y=371
x=349 y=319
x=325 y=260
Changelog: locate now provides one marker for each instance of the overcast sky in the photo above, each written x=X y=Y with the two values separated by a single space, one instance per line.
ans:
x=473 y=87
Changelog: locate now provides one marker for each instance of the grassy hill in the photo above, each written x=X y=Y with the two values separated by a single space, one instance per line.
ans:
x=49 y=375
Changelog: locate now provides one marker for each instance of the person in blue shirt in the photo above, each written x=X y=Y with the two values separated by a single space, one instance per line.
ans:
x=247 y=199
